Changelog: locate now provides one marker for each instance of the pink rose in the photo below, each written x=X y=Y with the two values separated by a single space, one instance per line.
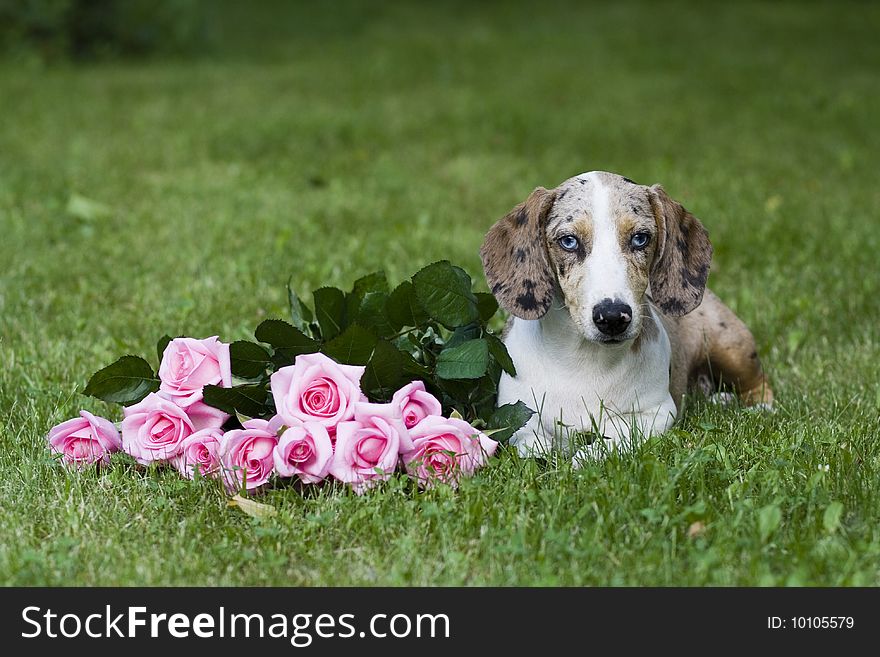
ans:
x=367 y=449
x=317 y=389
x=203 y=416
x=415 y=403
x=200 y=450
x=188 y=365
x=366 y=413
x=84 y=440
x=246 y=455
x=444 y=449
x=154 y=429
x=304 y=450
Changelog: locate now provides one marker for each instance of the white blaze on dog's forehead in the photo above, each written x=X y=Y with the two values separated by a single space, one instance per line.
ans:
x=607 y=272
x=600 y=200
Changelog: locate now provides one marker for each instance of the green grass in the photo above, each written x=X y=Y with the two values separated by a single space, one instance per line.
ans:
x=330 y=143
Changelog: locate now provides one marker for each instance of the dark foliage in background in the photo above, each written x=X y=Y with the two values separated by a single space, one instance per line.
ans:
x=88 y=29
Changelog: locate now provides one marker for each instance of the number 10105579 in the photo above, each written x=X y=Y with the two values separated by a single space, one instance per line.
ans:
x=810 y=623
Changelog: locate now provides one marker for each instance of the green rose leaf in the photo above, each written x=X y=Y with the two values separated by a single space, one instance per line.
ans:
x=457 y=394
x=288 y=340
x=373 y=314
x=375 y=282
x=248 y=399
x=463 y=334
x=469 y=360
x=249 y=360
x=487 y=306
x=444 y=291
x=384 y=373
x=404 y=309
x=126 y=382
x=354 y=347
x=412 y=367
x=509 y=418
x=330 y=311
x=484 y=396
x=384 y=362
x=500 y=354
x=300 y=313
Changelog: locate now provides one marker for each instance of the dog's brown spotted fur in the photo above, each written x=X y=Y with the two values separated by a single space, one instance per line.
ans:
x=711 y=345
x=515 y=258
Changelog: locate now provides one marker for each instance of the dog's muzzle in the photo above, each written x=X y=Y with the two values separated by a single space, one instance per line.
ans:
x=612 y=317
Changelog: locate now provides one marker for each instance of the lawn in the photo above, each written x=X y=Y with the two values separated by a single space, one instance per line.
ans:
x=325 y=144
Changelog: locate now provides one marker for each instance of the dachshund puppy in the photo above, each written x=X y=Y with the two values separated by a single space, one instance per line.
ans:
x=611 y=322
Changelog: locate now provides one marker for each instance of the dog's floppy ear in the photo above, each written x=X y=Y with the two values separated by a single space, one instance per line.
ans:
x=515 y=258
x=681 y=263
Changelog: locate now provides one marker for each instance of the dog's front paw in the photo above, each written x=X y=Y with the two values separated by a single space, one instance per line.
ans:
x=529 y=444
x=722 y=399
x=598 y=449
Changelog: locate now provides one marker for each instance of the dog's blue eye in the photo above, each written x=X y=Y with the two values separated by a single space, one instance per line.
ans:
x=640 y=240
x=569 y=242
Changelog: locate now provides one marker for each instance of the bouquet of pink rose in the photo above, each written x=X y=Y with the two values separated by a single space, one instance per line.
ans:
x=353 y=390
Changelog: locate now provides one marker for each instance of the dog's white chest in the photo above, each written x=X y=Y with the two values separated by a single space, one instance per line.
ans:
x=579 y=387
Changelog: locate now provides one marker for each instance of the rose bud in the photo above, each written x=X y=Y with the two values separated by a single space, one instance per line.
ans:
x=415 y=403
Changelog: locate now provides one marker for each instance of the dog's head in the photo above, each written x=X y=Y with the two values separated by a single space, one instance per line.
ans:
x=598 y=241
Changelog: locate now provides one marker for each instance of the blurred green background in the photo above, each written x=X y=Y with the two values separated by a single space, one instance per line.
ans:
x=165 y=167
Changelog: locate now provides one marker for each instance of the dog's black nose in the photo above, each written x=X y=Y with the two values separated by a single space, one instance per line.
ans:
x=612 y=317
